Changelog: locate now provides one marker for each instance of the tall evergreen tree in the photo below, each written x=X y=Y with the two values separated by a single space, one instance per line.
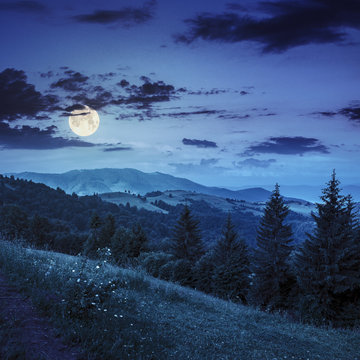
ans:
x=139 y=240
x=231 y=274
x=328 y=264
x=92 y=242
x=186 y=241
x=273 y=279
x=106 y=231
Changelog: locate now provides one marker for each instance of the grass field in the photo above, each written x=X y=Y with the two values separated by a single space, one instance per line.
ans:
x=116 y=313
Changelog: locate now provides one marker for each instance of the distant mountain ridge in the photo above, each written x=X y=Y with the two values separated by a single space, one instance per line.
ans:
x=88 y=182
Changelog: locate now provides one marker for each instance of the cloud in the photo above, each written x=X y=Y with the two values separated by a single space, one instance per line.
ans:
x=284 y=145
x=74 y=81
x=18 y=98
x=126 y=16
x=190 y=113
x=123 y=83
x=199 y=143
x=101 y=98
x=326 y=113
x=147 y=93
x=118 y=148
x=27 y=137
x=23 y=6
x=82 y=91
x=253 y=163
x=205 y=166
x=107 y=76
x=352 y=113
x=287 y=24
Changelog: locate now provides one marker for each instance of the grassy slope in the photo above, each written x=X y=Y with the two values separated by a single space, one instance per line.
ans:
x=145 y=318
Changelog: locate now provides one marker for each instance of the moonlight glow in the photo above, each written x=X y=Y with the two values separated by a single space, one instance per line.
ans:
x=84 y=122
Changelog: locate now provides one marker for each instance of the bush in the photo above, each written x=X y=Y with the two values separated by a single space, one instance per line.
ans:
x=152 y=262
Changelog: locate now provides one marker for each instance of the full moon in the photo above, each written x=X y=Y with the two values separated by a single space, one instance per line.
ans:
x=84 y=122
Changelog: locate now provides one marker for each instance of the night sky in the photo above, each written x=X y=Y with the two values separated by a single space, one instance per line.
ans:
x=231 y=94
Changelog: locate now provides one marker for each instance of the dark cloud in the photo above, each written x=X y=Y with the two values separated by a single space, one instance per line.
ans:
x=190 y=113
x=352 y=113
x=146 y=94
x=123 y=83
x=27 y=137
x=214 y=91
x=18 y=98
x=284 y=145
x=199 y=143
x=234 y=116
x=107 y=76
x=126 y=16
x=100 y=99
x=287 y=24
x=23 y=6
x=74 y=81
x=118 y=148
x=48 y=74
x=140 y=97
x=254 y=163
x=326 y=113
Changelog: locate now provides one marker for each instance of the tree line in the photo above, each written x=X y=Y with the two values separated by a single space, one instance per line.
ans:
x=318 y=281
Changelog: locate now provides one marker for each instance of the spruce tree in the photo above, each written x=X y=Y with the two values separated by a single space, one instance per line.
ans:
x=92 y=242
x=139 y=241
x=273 y=279
x=231 y=274
x=106 y=232
x=328 y=264
x=186 y=241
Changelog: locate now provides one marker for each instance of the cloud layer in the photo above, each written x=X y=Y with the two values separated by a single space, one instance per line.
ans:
x=285 y=145
x=287 y=24
x=126 y=16
x=23 y=6
x=18 y=98
x=26 y=137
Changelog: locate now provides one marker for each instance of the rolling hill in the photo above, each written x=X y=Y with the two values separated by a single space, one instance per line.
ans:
x=88 y=182
x=146 y=318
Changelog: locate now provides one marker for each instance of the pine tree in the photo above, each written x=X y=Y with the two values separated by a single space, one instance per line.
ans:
x=139 y=240
x=328 y=264
x=120 y=244
x=231 y=274
x=92 y=242
x=106 y=232
x=273 y=280
x=186 y=242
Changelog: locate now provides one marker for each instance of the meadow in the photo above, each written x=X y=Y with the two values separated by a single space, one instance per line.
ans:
x=117 y=313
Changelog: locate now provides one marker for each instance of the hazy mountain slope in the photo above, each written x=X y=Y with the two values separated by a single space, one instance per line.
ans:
x=152 y=201
x=313 y=193
x=87 y=182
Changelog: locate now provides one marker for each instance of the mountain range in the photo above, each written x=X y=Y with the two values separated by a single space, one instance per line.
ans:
x=88 y=182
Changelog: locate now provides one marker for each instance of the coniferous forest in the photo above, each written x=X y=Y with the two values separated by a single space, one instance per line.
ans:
x=316 y=281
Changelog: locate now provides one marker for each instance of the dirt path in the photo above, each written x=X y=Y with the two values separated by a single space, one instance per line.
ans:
x=26 y=334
